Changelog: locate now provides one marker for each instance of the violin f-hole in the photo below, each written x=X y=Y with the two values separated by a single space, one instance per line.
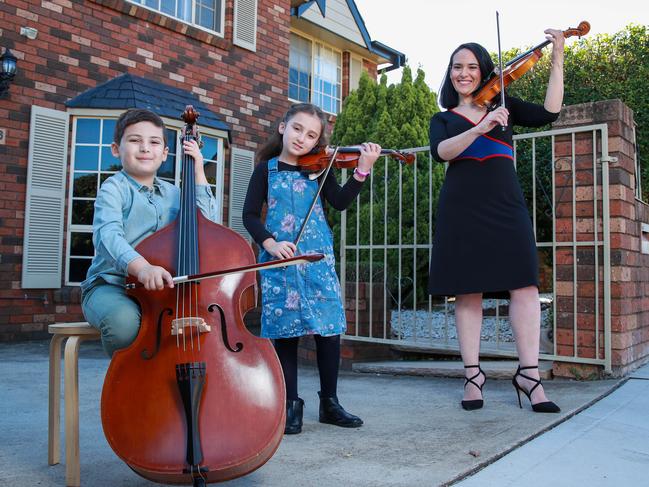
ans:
x=224 y=329
x=158 y=336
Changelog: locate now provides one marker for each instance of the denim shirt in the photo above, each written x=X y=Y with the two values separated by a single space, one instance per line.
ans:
x=126 y=212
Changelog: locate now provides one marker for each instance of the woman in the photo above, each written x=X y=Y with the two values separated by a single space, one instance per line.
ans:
x=484 y=243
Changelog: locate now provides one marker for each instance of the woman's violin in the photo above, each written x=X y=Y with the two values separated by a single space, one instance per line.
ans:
x=345 y=157
x=520 y=65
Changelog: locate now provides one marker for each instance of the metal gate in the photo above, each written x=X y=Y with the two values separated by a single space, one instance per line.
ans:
x=385 y=249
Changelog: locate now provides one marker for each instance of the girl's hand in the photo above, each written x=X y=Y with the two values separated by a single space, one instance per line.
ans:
x=370 y=152
x=280 y=250
x=498 y=116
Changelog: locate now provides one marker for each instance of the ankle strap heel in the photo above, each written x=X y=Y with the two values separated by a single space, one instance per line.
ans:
x=541 y=407
x=474 y=403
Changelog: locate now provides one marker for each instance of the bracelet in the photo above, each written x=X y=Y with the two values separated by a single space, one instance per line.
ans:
x=361 y=173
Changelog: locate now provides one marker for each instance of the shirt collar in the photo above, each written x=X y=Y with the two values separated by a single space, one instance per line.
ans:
x=157 y=184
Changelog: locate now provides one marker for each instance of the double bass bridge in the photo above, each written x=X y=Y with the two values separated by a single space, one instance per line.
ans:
x=192 y=323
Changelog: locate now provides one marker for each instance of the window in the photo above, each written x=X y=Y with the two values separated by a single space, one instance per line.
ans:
x=207 y=14
x=93 y=163
x=315 y=73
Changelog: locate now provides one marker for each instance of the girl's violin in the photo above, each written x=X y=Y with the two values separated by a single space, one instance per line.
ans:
x=520 y=65
x=346 y=157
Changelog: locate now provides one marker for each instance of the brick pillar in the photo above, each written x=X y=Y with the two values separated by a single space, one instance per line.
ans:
x=629 y=291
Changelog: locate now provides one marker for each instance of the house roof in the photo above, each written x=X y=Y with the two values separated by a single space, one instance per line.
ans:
x=128 y=91
x=396 y=59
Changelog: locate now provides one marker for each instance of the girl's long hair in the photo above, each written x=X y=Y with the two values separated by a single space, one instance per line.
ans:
x=448 y=97
x=273 y=146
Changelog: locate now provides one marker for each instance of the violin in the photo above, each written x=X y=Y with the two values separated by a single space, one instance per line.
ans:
x=520 y=65
x=196 y=398
x=345 y=157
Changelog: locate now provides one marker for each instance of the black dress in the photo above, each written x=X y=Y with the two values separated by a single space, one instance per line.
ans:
x=483 y=242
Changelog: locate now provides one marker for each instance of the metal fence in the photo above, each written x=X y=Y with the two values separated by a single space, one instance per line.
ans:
x=385 y=246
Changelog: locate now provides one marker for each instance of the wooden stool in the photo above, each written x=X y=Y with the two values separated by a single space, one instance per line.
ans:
x=75 y=333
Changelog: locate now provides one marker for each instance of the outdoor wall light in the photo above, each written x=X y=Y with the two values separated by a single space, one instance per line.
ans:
x=7 y=71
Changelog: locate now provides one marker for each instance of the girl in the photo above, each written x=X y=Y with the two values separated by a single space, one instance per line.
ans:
x=305 y=299
x=484 y=242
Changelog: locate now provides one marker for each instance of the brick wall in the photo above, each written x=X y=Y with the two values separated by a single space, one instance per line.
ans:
x=83 y=43
x=629 y=267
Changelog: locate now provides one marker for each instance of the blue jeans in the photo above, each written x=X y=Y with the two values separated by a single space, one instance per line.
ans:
x=109 y=309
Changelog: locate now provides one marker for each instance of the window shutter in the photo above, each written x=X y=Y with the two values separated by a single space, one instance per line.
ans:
x=241 y=166
x=45 y=199
x=245 y=24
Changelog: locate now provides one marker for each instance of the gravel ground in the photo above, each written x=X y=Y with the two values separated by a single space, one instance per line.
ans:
x=440 y=324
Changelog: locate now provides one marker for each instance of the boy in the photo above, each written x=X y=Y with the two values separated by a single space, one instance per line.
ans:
x=130 y=206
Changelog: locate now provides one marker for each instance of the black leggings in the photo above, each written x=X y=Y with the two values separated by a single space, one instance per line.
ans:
x=328 y=353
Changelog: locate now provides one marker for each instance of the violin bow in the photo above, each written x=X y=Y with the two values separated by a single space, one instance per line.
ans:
x=325 y=173
x=500 y=66
x=300 y=259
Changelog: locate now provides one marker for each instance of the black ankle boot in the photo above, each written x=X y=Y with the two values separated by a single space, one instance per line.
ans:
x=294 y=409
x=331 y=412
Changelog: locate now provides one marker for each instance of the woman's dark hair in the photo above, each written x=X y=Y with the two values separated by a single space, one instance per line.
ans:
x=273 y=146
x=448 y=97
x=137 y=115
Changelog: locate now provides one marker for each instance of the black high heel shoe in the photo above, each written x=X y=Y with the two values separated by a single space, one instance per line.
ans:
x=541 y=407
x=474 y=403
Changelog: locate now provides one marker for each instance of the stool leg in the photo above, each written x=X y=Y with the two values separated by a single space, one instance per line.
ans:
x=71 y=395
x=54 y=400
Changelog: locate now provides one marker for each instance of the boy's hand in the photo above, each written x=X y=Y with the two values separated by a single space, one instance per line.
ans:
x=190 y=147
x=151 y=276
x=370 y=152
x=154 y=278
x=280 y=250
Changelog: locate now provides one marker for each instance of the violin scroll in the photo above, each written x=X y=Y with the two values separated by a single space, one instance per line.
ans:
x=581 y=30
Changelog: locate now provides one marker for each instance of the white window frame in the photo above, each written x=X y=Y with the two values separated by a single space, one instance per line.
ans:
x=177 y=125
x=316 y=42
x=220 y=32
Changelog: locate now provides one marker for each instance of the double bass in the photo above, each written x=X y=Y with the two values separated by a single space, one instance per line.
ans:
x=196 y=398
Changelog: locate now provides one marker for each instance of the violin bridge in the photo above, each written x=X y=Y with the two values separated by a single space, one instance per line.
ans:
x=179 y=324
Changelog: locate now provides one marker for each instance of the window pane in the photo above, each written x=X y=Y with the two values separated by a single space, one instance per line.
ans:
x=81 y=244
x=168 y=7
x=108 y=161
x=103 y=177
x=327 y=78
x=293 y=92
x=172 y=140
x=82 y=212
x=86 y=157
x=209 y=148
x=184 y=10
x=108 y=131
x=79 y=269
x=87 y=131
x=168 y=169
x=299 y=68
x=210 y=172
x=85 y=184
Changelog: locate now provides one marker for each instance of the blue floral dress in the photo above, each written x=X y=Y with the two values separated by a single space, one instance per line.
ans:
x=302 y=299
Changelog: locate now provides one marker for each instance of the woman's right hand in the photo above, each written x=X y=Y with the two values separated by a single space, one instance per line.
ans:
x=279 y=250
x=499 y=116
